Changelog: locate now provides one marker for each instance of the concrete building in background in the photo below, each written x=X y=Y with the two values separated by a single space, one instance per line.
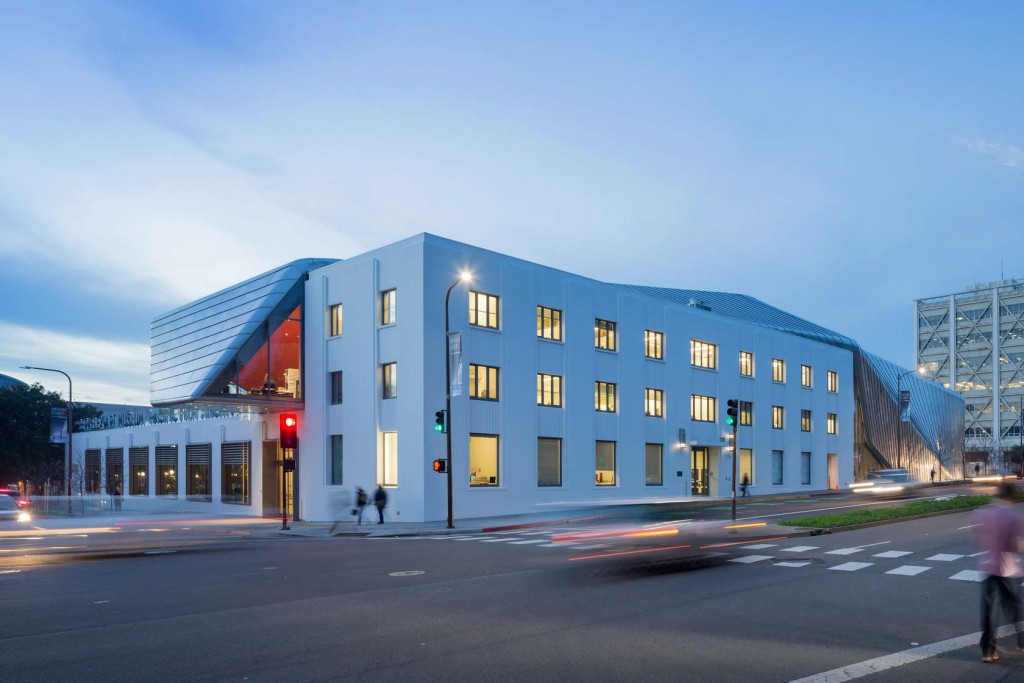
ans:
x=973 y=343
x=566 y=391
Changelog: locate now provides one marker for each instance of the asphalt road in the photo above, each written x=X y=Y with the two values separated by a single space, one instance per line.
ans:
x=508 y=606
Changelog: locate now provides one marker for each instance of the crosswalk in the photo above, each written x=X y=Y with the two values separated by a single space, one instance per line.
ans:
x=785 y=554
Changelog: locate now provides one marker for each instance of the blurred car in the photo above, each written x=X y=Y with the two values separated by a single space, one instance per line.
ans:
x=888 y=483
x=11 y=515
x=994 y=476
x=16 y=495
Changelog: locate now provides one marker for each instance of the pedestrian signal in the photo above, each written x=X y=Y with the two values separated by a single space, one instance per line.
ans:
x=441 y=465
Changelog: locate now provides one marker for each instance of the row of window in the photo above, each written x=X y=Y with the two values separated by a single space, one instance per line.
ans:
x=483 y=312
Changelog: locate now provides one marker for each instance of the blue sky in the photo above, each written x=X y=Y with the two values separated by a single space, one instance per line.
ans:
x=837 y=160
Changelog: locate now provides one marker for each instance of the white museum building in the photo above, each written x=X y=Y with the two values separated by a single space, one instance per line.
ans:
x=566 y=391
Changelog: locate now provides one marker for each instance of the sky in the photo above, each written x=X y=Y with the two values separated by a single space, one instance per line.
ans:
x=836 y=160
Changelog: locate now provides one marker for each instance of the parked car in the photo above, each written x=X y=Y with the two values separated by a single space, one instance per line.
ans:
x=16 y=495
x=11 y=515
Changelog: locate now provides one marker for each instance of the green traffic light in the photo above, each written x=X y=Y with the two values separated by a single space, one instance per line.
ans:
x=438 y=428
x=730 y=420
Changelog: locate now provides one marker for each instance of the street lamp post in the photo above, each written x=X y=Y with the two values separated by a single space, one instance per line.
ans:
x=464 y=277
x=899 y=416
x=67 y=455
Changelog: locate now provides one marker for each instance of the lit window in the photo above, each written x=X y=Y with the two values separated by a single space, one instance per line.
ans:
x=805 y=420
x=235 y=486
x=832 y=423
x=483 y=460
x=387 y=306
x=806 y=376
x=778 y=370
x=198 y=459
x=549 y=323
x=654 y=399
x=653 y=468
x=703 y=354
x=549 y=462
x=335 y=388
x=746 y=413
x=604 y=335
x=390 y=374
x=387 y=464
x=335 y=313
x=778 y=417
x=746 y=363
x=483 y=382
x=336 y=459
x=549 y=390
x=703 y=408
x=604 y=463
x=833 y=381
x=604 y=397
x=746 y=469
x=654 y=343
x=483 y=310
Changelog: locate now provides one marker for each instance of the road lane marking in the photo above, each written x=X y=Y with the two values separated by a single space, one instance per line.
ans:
x=968 y=575
x=872 y=666
x=893 y=553
x=944 y=557
x=759 y=546
x=976 y=554
x=908 y=570
x=844 y=551
x=536 y=540
x=969 y=526
x=495 y=540
x=851 y=566
x=752 y=558
x=799 y=549
x=799 y=563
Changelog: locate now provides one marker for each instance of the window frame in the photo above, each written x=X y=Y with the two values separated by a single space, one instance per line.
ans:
x=555 y=332
x=389 y=380
x=606 y=337
x=336 y=385
x=746 y=410
x=699 y=352
x=335 y=320
x=806 y=422
x=654 y=345
x=778 y=417
x=614 y=468
x=488 y=311
x=707 y=405
x=475 y=382
x=336 y=464
x=558 y=441
x=657 y=396
x=779 y=370
x=747 y=362
x=806 y=376
x=832 y=382
x=497 y=461
x=610 y=389
x=647 y=464
x=780 y=457
x=831 y=423
x=388 y=306
x=556 y=401
x=806 y=465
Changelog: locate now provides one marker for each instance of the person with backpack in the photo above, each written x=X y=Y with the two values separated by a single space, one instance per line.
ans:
x=361 y=501
x=380 y=499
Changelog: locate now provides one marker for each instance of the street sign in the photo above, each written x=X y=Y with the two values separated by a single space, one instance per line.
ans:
x=58 y=425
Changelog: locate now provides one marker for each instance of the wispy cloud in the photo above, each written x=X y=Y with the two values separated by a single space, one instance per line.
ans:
x=102 y=371
x=1005 y=155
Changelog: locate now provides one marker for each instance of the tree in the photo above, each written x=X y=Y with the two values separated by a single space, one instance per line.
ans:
x=26 y=453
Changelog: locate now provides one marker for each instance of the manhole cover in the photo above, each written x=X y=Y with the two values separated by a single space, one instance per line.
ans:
x=412 y=572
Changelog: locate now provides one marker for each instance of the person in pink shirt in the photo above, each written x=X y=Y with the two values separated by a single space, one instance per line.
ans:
x=998 y=534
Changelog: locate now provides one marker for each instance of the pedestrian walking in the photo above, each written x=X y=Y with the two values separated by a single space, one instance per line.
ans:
x=933 y=475
x=998 y=535
x=361 y=501
x=745 y=485
x=117 y=498
x=380 y=499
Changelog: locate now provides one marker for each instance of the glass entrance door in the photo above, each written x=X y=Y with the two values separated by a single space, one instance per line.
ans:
x=699 y=471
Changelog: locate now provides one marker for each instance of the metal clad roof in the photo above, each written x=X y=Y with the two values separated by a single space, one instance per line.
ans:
x=191 y=344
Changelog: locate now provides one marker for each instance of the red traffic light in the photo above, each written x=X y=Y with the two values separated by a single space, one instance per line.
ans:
x=289 y=430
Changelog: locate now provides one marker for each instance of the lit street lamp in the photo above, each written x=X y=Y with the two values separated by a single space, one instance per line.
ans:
x=464 y=277
x=67 y=456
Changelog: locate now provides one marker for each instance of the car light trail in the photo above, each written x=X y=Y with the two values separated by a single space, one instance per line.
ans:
x=628 y=552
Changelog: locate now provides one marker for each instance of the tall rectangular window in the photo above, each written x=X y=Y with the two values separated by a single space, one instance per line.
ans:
x=746 y=413
x=92 y=470
x=387 y=464
x=778 y=370
x=549 y=323
x=198 y=459
x=833 y=381
x=166 y=470
x=235 y=475
x=337 y=460
x=805 y=420
x=652 y=460
x=778 y=417
x=703 y=408
x=335 y=314
x=549 y=462
x=746 y=363
x=832 y=423
x=483 y=310
x=604 y=335
x=483 y=382
x=777 y=468
x=549 y=390
x=115 y=470
x=703 y=354
x=138 y=470
x=389 y=373
x=805 y=468
x=746 y=465
x=483 y=460
x=654 y=344
x=806 y=376
x=653 y=402
x=387 y=306
x=604 y=397
x=604 y=463
x=336 y=387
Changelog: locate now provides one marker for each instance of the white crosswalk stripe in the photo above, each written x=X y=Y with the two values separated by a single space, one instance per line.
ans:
x=851 y=566
x=794 y=563
x=751 y=558
x=844 y=551
x=893 y=553
x=968 y=575
x=944 y=557
x=908 y=570
x=759 y=546
x=798 y=549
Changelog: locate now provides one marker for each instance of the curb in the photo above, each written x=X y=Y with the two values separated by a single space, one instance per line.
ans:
x=815 y=531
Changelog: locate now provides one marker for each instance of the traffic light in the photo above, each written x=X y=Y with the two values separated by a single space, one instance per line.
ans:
x=441 y=421
x=441 y=465
x=289 y=430
x=731 y=415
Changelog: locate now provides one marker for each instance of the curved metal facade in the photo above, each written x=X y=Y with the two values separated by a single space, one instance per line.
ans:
x=191 y=345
